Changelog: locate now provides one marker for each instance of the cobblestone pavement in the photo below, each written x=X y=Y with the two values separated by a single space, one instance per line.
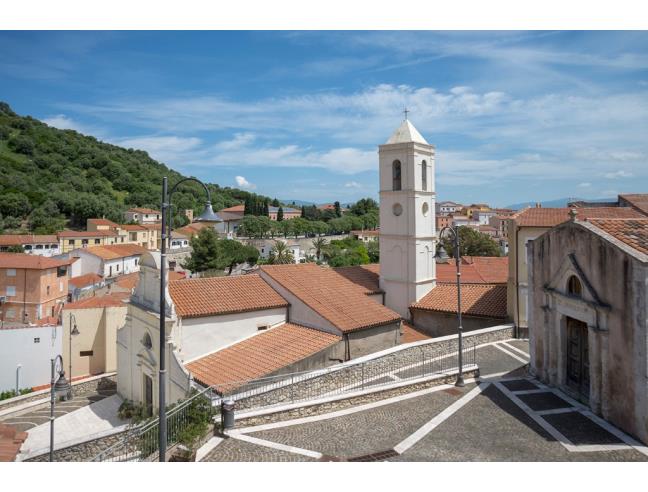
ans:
x=507 y=417
x=40 y=414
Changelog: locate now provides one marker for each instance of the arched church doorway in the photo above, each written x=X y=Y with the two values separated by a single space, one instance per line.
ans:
x=578 y=376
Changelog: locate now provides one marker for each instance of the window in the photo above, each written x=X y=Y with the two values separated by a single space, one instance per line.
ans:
x=52 y=315
x=84 y=242
x=86 y=353
x=574 y=286
x=11 y=290
x=97 y=241
x=397 y=209
x=61 y=271
x=147 y=341
x=70 y=242
x=136 y=261
x=37 y=340
x=10 y=313
x=396 y=175
x=133 y=236
x=117 y=267
x=39 y=246
x=27 y=247
x=48 y=290
x=11 y=272
x=425 y=209
x=424 y=175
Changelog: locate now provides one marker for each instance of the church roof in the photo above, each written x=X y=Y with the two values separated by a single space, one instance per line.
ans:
x=406 y=133
x=259 y=355
x=487 y=300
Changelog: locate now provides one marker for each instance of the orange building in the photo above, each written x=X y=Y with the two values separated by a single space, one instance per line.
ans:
x=443 y=221
x=31 y=287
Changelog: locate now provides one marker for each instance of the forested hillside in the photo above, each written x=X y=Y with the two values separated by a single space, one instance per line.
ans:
x=51 y=178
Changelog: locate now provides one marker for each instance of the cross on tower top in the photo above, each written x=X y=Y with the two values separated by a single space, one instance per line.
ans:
x=405 y=111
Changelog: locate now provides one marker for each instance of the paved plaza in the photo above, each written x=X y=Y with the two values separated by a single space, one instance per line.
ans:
x=503 y=416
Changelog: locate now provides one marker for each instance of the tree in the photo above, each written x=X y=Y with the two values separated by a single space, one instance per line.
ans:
x=266 y=207
x=275 y=203
x=318 y=244
x=280 y=254
x=472 y=243
x=364 y=206
x=14 y=204
x=235 y=253
x=303 y=211
x=207 y=253
x=373 y=250
x=285 y=227
x=346 y=252
x=280 y=214
x=15 y=248
x=338 y=211
x=46 y=219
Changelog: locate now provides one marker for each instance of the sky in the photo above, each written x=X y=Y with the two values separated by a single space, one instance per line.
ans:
x=514 y=116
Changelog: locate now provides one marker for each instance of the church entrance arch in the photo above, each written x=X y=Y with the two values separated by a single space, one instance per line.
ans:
x=578 y=366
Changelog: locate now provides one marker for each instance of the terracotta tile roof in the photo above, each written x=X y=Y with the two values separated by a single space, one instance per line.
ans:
x=488 y=300
x=550 y=217
x=128 y=281
x=133 y=227
x=637 y=200
x=102 y=222
x=197 y=297
x=475 y=270
x=82 y=234
x=153 y=227
x=633 y=232
x=411 y=334
x=259 y=356
x=331 y=295
x=365 y=276
x=114 y=251
x=20 y=239
x=143 y=210
x=235 y=208
x=85 y=280
x=191 y=229
x=31 y=262
x=110 y=300
x=10 y=442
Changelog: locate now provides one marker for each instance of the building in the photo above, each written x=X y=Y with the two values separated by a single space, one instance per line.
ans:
x=443 y=221
x=588 y=318
x=34 y=244
x=139 y=235
x=94 y=348
x=70 y=240
x=529 y=224
x=288 y=212
x=232 y=217
x=155 y=235
x=101 y=225
x=26 y=351
x=365 y=236
x=448 y=208
x=108 y=261
x=407 y=235
x=32 y=287
x=84 y=285
x=143 y=215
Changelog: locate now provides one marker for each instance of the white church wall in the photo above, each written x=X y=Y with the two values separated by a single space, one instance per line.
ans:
x=196 y=337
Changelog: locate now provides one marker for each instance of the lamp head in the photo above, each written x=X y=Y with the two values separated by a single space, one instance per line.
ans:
x=75 y=331
x=442 y=254
x=62 y=386
x=208 y=215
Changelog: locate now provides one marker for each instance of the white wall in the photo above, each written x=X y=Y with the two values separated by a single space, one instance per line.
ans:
x=125 y=266
x=196 y=337
x=17 y=347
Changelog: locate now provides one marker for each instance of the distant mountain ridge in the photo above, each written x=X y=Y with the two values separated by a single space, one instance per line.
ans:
x=558 y=203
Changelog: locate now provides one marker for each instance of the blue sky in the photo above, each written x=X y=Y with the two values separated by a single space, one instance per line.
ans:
x=515 y=116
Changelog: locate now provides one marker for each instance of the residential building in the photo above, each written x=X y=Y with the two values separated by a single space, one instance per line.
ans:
x=108 y=261
x=448 y=208
x=155 y=236
x=588 y=318
x=232 y=217
x=288 y=213
x=101 y=225
x=94 y=348
x=32 y=287
x=529 y=224
x=44 y=245
x=70 y=240
x=365 y=236
x=138 y=234
x=143 y=215
x=463 y=220
x=84 y=285
x=443 y=221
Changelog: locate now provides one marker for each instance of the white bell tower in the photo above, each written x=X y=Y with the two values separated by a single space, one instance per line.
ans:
x=407 y=225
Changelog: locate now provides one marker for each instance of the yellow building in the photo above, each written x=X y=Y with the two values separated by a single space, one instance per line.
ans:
x=69 y=240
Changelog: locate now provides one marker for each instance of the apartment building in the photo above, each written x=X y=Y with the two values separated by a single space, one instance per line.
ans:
x=35 y=244
x=70 y=240
x=32 y=287
x=143 y=215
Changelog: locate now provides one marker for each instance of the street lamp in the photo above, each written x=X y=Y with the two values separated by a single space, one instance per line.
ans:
x=208 y=215
x=73 y=332
x=442 y=254
x=59 y=387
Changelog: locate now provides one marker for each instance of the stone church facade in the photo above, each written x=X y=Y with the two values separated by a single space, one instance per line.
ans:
x=588 y=308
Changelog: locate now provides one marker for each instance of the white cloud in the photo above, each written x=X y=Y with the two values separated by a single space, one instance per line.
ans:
x=172 y=148
x=584 y=185
x=352 y=184
x=244 y=183
x=62 y=122
x=618 y=174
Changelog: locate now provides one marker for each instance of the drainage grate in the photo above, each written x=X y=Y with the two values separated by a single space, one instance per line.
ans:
x=380 y=456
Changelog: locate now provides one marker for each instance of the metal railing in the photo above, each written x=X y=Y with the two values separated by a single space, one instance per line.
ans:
x=405 y=366
x=183 y=419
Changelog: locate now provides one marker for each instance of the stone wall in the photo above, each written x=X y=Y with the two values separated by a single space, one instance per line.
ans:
x=438 y=324
x=84 y=451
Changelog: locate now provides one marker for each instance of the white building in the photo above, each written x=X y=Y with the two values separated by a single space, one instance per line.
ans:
x=25 y=354
x=34 y=244
x=447 y=208
x=143 y=215
x=407 y=225
x=108 y=261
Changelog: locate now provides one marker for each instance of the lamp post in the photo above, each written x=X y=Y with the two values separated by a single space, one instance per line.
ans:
x=73 y=332
x=207 y=215
x=441 y=253
x=59 y=386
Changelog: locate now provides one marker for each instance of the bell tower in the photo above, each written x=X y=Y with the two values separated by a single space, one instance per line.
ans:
x=407 y=225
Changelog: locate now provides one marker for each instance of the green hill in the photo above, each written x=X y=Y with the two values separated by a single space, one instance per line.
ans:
x=51 y=178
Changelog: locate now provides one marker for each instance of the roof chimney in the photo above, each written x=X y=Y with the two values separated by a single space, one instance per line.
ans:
x=572 y=214
x=538 y=205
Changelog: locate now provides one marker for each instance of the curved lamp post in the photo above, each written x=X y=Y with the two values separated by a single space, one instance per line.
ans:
x=442 y=254
x=59 y=387
x=207 y=215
